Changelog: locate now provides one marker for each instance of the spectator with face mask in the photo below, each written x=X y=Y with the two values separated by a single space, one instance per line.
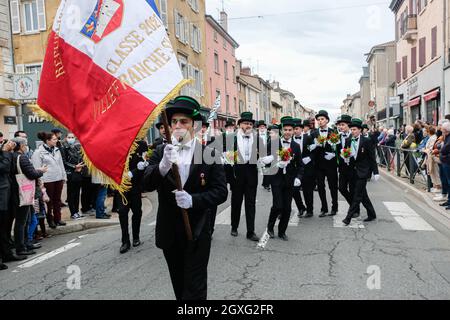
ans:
x=73 y=162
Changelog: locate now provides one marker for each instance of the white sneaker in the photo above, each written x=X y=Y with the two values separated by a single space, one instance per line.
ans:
x=440 y=198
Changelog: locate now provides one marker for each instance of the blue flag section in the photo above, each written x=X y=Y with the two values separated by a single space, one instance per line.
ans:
x=154 y=6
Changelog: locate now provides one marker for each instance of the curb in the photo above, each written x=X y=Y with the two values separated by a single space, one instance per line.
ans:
x=434 y=207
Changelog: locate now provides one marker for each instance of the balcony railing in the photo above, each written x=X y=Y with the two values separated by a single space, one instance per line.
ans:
x=410 y=27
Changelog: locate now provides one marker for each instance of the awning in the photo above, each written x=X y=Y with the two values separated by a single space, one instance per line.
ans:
x=7 y=102
x=414 y=102
x=432 y=95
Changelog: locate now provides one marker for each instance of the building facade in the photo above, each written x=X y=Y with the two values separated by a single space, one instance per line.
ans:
x=420 y=59
x=8 y=111
x=221 y=68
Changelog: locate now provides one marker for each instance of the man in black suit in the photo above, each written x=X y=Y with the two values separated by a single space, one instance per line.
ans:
x=309 y=172
x=264 y=135
x=345 y=171
x=205 y=138
x=326 y=164
x=363 y=163
x=162 y=136
x=203 y=188
x=289 y=175
x=298 y=137
x=244 y=182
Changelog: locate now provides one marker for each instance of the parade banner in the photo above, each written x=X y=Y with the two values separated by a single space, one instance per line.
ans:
x=109 y=70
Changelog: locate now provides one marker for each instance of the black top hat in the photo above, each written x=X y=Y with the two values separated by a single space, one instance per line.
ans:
x=158 y=125
x=261 y=123
x=273 y=127
x=205 y=122
x=229 y=123
x=287 y=121
x=323 y=113
x=186 y=105
x=307 y=123
x=365 y=126
x=344 y=119
x=356 y=123
x=246 y=116
x=298 y=122
x=56 y=130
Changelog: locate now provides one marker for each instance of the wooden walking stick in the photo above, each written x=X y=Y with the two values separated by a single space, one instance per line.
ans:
x=176 y=176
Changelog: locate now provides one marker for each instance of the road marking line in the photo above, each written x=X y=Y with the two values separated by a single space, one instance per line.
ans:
x=342 y=214
x=47 y=256
x=224 y=218
x=263 y=241
x=407 y=218
x=152 y=224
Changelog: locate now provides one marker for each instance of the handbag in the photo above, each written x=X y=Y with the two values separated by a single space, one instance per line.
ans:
x=27 y=188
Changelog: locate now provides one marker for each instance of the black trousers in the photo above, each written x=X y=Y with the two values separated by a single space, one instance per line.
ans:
x=345 y=189
x=282 y=205
x=5 y=250
x=308 y=185
x=244 y=186
x=188 y=268
x=135 y=204
x=213 y=219
x=266 y=181
x=360 y=196
x=117 y=200
x=332 y=177
x=298 y=198
x=88 y=194
x=20 y=234
x=73 y=196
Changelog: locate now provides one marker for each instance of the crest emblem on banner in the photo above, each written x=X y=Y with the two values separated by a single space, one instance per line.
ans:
x=106 y=18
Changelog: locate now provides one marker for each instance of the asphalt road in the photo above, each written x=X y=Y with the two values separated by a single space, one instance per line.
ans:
x=404 y=255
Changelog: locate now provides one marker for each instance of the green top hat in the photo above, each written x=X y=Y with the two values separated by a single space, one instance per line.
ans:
x=261 y=123
x=246 y=116
x=186 y=105
x=344 y=119
x=307 y=123
x=365 y=126
x=287 y=121
x=356 y=123
x=323 y=113
x=273 y=127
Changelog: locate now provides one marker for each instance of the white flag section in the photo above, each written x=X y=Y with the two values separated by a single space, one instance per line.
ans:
x=127 y=39
x=213 y=113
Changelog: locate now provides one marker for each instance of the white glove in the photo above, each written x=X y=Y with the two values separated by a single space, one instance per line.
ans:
x=142 y=165
x=376 y=177
x=267 y=160
x=282 y=164
x=297 y=182
x=184 y=199
x=306 y=160
x=130 y=175
x=169 y=158
x=329 y=155
x=312 y=147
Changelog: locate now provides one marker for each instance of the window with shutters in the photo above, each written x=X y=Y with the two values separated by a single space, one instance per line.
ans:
x=163 y=12
x=15 y=16
x=30 y=16
x=216 y=62
x=225 y=69
x=198 y=82
x=422 y=51
x=405 y=67
x=413 y=60
x=433 y=43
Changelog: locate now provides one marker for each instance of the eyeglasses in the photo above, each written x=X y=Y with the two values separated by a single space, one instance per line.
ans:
x=183 y=121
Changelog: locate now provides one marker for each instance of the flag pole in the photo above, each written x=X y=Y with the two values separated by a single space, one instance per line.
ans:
x=176 y=175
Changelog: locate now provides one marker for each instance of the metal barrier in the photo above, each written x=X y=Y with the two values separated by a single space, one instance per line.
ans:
x=405 y=163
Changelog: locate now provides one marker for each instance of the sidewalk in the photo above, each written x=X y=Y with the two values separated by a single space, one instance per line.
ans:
x=90 y=222
x=420 y=191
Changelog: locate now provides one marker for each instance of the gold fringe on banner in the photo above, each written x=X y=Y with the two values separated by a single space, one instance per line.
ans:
x=125 y=184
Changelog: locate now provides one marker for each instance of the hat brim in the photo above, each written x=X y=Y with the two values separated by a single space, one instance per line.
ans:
x=322 y=115
x=246 y=120
x=354 y=125
x=170 y=111
x=343 y=121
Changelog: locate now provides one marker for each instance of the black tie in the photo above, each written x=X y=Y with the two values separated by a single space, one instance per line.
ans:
x=323 y=130
x=284 y=141
x=355 y=139
x=246 y=137
x=298 y=138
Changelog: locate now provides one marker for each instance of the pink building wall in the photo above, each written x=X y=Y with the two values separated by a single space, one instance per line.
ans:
x=217 y=80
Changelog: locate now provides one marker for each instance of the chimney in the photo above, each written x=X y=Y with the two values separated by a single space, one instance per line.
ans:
x=224 y=20
x=246 y=70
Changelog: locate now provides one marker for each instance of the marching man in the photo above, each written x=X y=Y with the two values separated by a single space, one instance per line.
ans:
x=204 y=187
x=362 y=162
x=298 y=137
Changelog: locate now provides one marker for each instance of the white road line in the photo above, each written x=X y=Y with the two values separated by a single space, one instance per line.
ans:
x=152 y=224
x=342 y=213
x=224 y=218
x=49 y=255
x=406 y=217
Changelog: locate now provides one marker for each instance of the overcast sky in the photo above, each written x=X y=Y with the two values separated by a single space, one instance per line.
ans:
x=314 y=48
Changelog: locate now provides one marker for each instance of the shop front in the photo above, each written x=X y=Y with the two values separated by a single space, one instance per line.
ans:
x=432 y=106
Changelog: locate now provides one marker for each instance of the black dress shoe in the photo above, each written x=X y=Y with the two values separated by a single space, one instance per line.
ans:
x=323 y=214
x=346 y=221
x=52 y=225
x=61 y=223
x=309 y=215
x=26 y=253
x=445 y=204
x=253 y=237
x=136 y=243
x=369 y=219
x=271 y=234
x=3 y=266
x=333 y=213
x=356 y=215
x=283 y=237
x=14 y=257
x=125 y=247
x=301 y=213
x=34 y=246
x=234 y=233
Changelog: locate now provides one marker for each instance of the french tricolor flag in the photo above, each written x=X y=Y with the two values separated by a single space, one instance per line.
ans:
x=108 y=70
